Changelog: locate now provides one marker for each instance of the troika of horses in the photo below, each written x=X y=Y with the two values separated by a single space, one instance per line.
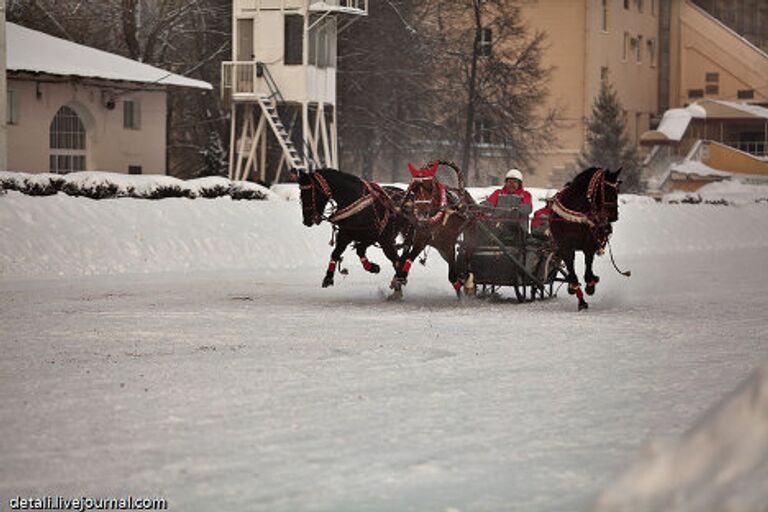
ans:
x=486 y=245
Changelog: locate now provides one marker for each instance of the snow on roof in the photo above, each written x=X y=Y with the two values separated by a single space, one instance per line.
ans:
x=674 y=123
x=755 y=110
x=32 y=51
x=699 y=169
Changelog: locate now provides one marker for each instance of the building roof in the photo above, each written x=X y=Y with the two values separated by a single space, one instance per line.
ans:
x=36 y=52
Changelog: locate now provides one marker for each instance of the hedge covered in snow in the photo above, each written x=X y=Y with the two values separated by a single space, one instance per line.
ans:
x=107 y=185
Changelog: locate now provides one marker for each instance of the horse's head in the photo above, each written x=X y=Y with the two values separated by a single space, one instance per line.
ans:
x=425 y=194
x=315 y=194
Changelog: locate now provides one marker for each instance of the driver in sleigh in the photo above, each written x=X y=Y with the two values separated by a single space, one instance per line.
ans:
x=513 y=185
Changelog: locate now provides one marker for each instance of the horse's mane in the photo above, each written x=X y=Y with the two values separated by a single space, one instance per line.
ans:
x=574 y=194
x=340 y=178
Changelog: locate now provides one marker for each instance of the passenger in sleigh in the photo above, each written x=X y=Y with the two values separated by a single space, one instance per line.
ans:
x=540 y=221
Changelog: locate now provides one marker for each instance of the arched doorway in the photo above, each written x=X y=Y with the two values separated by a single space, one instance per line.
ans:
x=67 y=142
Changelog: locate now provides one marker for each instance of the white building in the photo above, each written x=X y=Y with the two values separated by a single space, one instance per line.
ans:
x=282 y=84
x=73 y=108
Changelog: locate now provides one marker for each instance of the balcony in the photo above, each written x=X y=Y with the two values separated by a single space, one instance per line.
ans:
x=356 y=7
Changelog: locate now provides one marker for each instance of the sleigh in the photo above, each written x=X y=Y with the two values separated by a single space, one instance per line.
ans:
x=505 y=253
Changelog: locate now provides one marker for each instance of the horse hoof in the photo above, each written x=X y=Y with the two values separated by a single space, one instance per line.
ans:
x=396 y=295
x=327 y=282
x=583 y=305
x=572 y=289
x=590 y=288
x=374 y=268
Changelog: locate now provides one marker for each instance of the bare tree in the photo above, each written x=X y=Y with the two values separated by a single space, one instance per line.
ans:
x=383 y=81
x=490 y=83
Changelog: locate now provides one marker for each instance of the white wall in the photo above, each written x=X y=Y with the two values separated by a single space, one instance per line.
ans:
x=109 y=146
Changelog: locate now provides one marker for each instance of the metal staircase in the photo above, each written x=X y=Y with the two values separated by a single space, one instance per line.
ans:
x=292 y=156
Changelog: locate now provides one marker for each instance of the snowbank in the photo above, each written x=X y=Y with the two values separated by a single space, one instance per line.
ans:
x=721 y=464
x=732 y=192
x=69 y=236
x=72 y=236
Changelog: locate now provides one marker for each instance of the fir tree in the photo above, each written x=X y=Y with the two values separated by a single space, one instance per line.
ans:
x=607 y=145
x=214 y=156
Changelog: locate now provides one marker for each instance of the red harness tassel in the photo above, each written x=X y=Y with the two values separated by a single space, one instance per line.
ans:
x=366 y=264
x=332 y=266
x=407 y=266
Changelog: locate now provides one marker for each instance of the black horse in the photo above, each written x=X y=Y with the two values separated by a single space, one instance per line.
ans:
x=365 y=213
x=582 y=215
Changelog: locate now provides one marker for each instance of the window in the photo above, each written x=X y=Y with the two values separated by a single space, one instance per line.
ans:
x=134 y=169
x=482 y=131
x=639 y=49
x=653 y=7
x=131 y=114
x=695 y=93
x=12 y=111
x=746 y=94
x=626 y=45
x=485 y=42
x=604 y=74
x=713 y=78
x=604 y=16
x=626 y=4
x=322 y=43
x=67 y=142
x=639 y=5
x=652 y=52
x=293 y=39
x=712 y=89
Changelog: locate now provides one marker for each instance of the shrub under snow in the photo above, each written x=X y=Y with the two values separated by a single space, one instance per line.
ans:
x=105 y=185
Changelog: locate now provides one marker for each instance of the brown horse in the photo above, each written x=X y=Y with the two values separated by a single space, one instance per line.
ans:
x=438 y=216
x=582 y=217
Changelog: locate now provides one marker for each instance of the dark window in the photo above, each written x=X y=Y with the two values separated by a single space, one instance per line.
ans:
x=713 y=77
x=604 y=73
x=294 y=39
x=695 y=93
x=746 y=94
x=626 y=4
x=713 y=89
x=134 y=169
x=483 y=131
x=485 y=42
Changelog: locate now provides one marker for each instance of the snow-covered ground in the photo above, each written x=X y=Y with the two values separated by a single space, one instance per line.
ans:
x=184 y=349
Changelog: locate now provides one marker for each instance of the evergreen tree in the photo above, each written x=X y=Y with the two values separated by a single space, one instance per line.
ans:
x=607 y=145
x=214 y=157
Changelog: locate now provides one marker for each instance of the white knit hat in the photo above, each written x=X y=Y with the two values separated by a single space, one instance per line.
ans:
x=514 y=173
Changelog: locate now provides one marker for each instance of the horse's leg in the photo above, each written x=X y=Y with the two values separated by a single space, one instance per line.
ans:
x=590 y=278
x=342 y=241
x=406 y=260
x=371 y=267
x=574 y=287
x=449 y=255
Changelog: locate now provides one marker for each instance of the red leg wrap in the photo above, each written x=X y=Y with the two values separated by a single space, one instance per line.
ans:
x=366 y=264
x=407 y=266
x=332 y=266
x=457 y=285
x=579 y=293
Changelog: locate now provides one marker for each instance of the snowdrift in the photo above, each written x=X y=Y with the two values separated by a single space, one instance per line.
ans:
x=61 y=235
x=74 y=236
x=721 y=464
